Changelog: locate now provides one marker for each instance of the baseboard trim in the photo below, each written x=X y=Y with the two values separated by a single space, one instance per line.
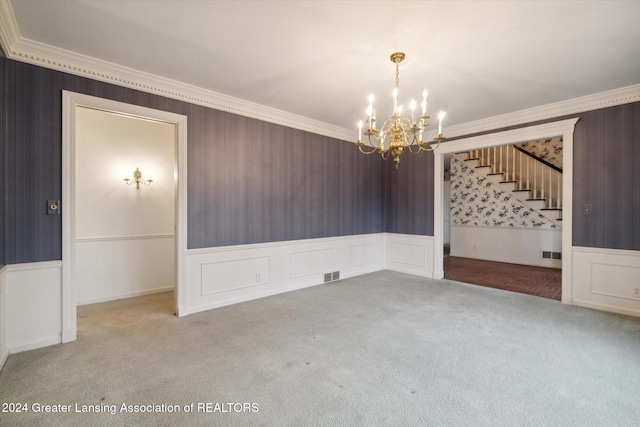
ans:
x=3 y=357
x=127 y=295
x=4 y=349
x=196 y=309
x=36 y=344
x=606 y=307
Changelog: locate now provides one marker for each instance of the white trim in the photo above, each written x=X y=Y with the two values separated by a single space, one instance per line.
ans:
x=615 y=292
x=4 y=346
x=70 y=100
x=282 y=243
x=118 y=238
x=409 y=253
x=20 y=49
x=611 y=98
x=30 y=266
x=128 y=295
x=32 y=345
x=562 y=127
x=246 y=272
x=33 y=307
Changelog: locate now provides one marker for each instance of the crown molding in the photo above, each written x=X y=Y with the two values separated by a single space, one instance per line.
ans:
x=20 y=49
x=611 y=98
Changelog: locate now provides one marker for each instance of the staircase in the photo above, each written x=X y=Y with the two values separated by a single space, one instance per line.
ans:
x=531 y=180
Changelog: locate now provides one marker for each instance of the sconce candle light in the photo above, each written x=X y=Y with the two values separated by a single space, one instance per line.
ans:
x=137 y=178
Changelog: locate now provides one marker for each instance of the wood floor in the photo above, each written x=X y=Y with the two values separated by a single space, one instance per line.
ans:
x=538 y=281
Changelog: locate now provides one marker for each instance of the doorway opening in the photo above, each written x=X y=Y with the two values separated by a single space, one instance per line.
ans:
x=505 y=217
x=118 y=240
x=564 y=129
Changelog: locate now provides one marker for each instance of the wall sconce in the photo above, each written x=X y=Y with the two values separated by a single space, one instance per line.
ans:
x=137 y=178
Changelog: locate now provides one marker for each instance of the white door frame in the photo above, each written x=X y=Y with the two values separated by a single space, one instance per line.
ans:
x=562 y=128
x=71 y=100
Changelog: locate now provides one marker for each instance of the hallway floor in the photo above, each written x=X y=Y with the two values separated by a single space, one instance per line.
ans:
x=525 y=279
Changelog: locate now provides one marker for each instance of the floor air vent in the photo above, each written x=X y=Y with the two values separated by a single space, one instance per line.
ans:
x=551 y=255
x=330 y=277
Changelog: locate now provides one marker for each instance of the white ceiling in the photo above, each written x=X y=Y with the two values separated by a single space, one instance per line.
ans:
x=321 y=59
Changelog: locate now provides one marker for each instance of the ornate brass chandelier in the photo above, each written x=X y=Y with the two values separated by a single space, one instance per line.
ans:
x=397 y=132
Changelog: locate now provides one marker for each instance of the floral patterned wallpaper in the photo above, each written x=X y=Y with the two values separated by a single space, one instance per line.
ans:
x=476 y=201
x=549 y=150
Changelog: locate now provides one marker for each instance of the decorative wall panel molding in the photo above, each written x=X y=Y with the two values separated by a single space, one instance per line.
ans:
x=607 y=279
x=227 y=275
x=230 y=275
x=33 y=294
x=411 y=254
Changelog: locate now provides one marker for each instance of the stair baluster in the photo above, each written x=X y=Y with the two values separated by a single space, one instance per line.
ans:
x=535 y=181
x=513 y=151
x=528 y=161
x=558 y=203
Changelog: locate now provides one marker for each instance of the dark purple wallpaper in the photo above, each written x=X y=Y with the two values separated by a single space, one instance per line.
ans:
x=607 y=151
x=249 y=181
x=606 y=176
x=409 y=194
x=253 y=182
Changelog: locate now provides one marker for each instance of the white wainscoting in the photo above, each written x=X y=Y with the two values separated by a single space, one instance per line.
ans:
x=109 y=268
x=33 y=302
x=4 y=347
x=513 y=245
x=222 y=276
x=408 y=253
x=607 y=279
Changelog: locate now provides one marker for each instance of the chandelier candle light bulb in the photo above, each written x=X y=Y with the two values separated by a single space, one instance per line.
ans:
x=399 y=132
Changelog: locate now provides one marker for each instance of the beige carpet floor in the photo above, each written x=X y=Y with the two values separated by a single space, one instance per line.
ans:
x=383 y=349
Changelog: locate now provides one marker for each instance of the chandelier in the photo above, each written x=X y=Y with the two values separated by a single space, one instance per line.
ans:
x=397 y=132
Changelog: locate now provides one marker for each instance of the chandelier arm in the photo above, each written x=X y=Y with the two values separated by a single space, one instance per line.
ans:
x=410 y=149
x=374 y=150
x=398 y=133
x=430 y=147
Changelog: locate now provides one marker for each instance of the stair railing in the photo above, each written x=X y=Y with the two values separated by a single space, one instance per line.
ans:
x=542 y=179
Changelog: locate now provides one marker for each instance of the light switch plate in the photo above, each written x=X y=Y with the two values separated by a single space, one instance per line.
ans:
x=53 y=207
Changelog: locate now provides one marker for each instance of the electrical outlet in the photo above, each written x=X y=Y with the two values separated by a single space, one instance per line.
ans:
x=636 y=292
x=258 y=277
